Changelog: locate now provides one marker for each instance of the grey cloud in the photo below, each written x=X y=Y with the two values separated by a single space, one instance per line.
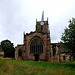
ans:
x=17 y=16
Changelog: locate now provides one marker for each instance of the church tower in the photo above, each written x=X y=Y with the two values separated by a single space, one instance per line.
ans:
x=42 y=26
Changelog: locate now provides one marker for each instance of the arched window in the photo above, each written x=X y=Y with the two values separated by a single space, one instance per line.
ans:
x=19 y=52
x=36 y=45
x=54 y=50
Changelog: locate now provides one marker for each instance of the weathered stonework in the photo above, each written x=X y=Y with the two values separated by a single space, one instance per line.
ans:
x=43 y=56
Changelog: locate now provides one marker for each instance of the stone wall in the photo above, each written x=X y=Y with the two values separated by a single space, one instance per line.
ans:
x=46 y=47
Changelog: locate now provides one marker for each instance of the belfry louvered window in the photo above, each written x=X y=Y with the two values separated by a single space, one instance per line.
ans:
x=36 y=45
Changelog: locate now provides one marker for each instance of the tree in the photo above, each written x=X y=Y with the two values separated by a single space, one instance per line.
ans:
x=8 y=47
x=68 y=37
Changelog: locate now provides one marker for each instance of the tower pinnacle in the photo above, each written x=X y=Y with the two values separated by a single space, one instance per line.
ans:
x=42 y=19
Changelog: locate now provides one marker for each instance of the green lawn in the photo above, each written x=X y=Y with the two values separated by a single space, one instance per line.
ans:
x=20 y=67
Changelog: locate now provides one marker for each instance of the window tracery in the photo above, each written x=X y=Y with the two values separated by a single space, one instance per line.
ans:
x=36 y=45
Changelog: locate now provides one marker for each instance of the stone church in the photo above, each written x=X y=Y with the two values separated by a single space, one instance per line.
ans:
x=37 y=45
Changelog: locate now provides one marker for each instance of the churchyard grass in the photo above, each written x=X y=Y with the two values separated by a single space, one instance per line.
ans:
x=20 y=67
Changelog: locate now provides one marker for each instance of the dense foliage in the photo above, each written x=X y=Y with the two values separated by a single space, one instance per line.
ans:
x=8 y=48
x=68 y=37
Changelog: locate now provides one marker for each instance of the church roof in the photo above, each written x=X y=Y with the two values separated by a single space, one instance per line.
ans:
x=62 y=49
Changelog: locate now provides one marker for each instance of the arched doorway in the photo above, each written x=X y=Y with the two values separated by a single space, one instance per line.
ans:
x=36 y=57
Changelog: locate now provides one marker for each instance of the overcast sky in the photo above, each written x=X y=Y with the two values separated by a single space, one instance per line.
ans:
x=17 y=16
